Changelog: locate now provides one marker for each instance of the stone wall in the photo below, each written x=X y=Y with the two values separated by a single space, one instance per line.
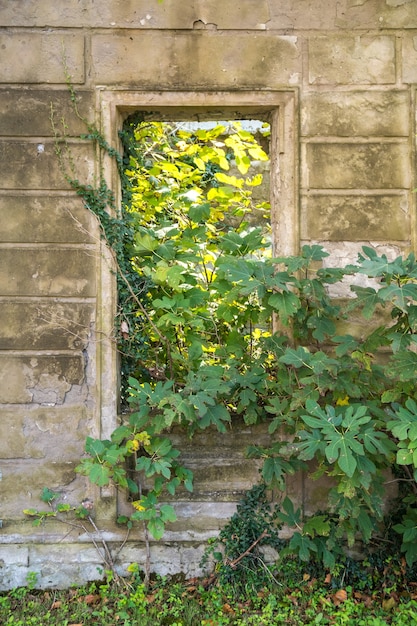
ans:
x=349 y=69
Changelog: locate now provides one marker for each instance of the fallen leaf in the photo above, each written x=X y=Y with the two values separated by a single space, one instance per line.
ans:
x=339 y=597
x=328 y=579
x=91 y=598
x=228 y=609
x=56 y=605
x=389 y=604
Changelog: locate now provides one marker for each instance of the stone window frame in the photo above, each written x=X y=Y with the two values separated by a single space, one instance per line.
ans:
x=279 y=108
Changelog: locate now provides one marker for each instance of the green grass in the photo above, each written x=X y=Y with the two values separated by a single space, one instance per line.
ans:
x=299 y=600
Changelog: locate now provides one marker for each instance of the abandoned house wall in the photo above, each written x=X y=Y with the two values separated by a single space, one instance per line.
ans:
x=351 y=70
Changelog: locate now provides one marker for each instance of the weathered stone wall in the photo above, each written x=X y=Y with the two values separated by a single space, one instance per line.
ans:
x=351 y=69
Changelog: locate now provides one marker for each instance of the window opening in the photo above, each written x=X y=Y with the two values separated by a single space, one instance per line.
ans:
x=196 y=201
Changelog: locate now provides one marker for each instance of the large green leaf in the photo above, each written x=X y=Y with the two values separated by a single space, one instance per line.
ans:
x=285 y=303
x=302 y=545
x=399 y=294
x=368 y=298
x=403 y=365
x=297 y=358
x=156 y=527
x=339 y=449
x=216 y=416
x=99 y=475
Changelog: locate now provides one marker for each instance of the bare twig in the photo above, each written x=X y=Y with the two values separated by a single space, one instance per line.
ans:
x=235 y=562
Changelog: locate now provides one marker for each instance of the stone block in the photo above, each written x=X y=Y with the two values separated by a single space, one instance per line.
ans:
x=39 y=271
x=357 y=166
x=247 y=14
x=66 y=564
x=342 y=253
x=302 y=14
x=220 y=480
x=342 y=60
x=238 y=60
x=39 y=14
x=43 y=379
x=27 y=112
x=22 y=484
x=357 y=113
x=52 y=433
x=48 y=218
x=14 y=560
x=45 y=325
x=353 y=218
x=43 y=57
x=384 y=14
x=35 y=165
x=409 y=58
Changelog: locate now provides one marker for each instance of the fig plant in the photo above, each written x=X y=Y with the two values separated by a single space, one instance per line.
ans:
x=213 y=329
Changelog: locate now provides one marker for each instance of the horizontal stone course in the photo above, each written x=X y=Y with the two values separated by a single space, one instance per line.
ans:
x=52 y=218
x=41 y=379
x=357 y=166
x=35 y=165
x=303 y=14
x=40 y=271
x=237 y=61
x=356 y=113
x=45 y=324
x=28 y=113
x=22 y=484
x=376 y=14
x=353 y=218
x=229 y=14
x=36 y=432
x=41 y=57
x=340 y=59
